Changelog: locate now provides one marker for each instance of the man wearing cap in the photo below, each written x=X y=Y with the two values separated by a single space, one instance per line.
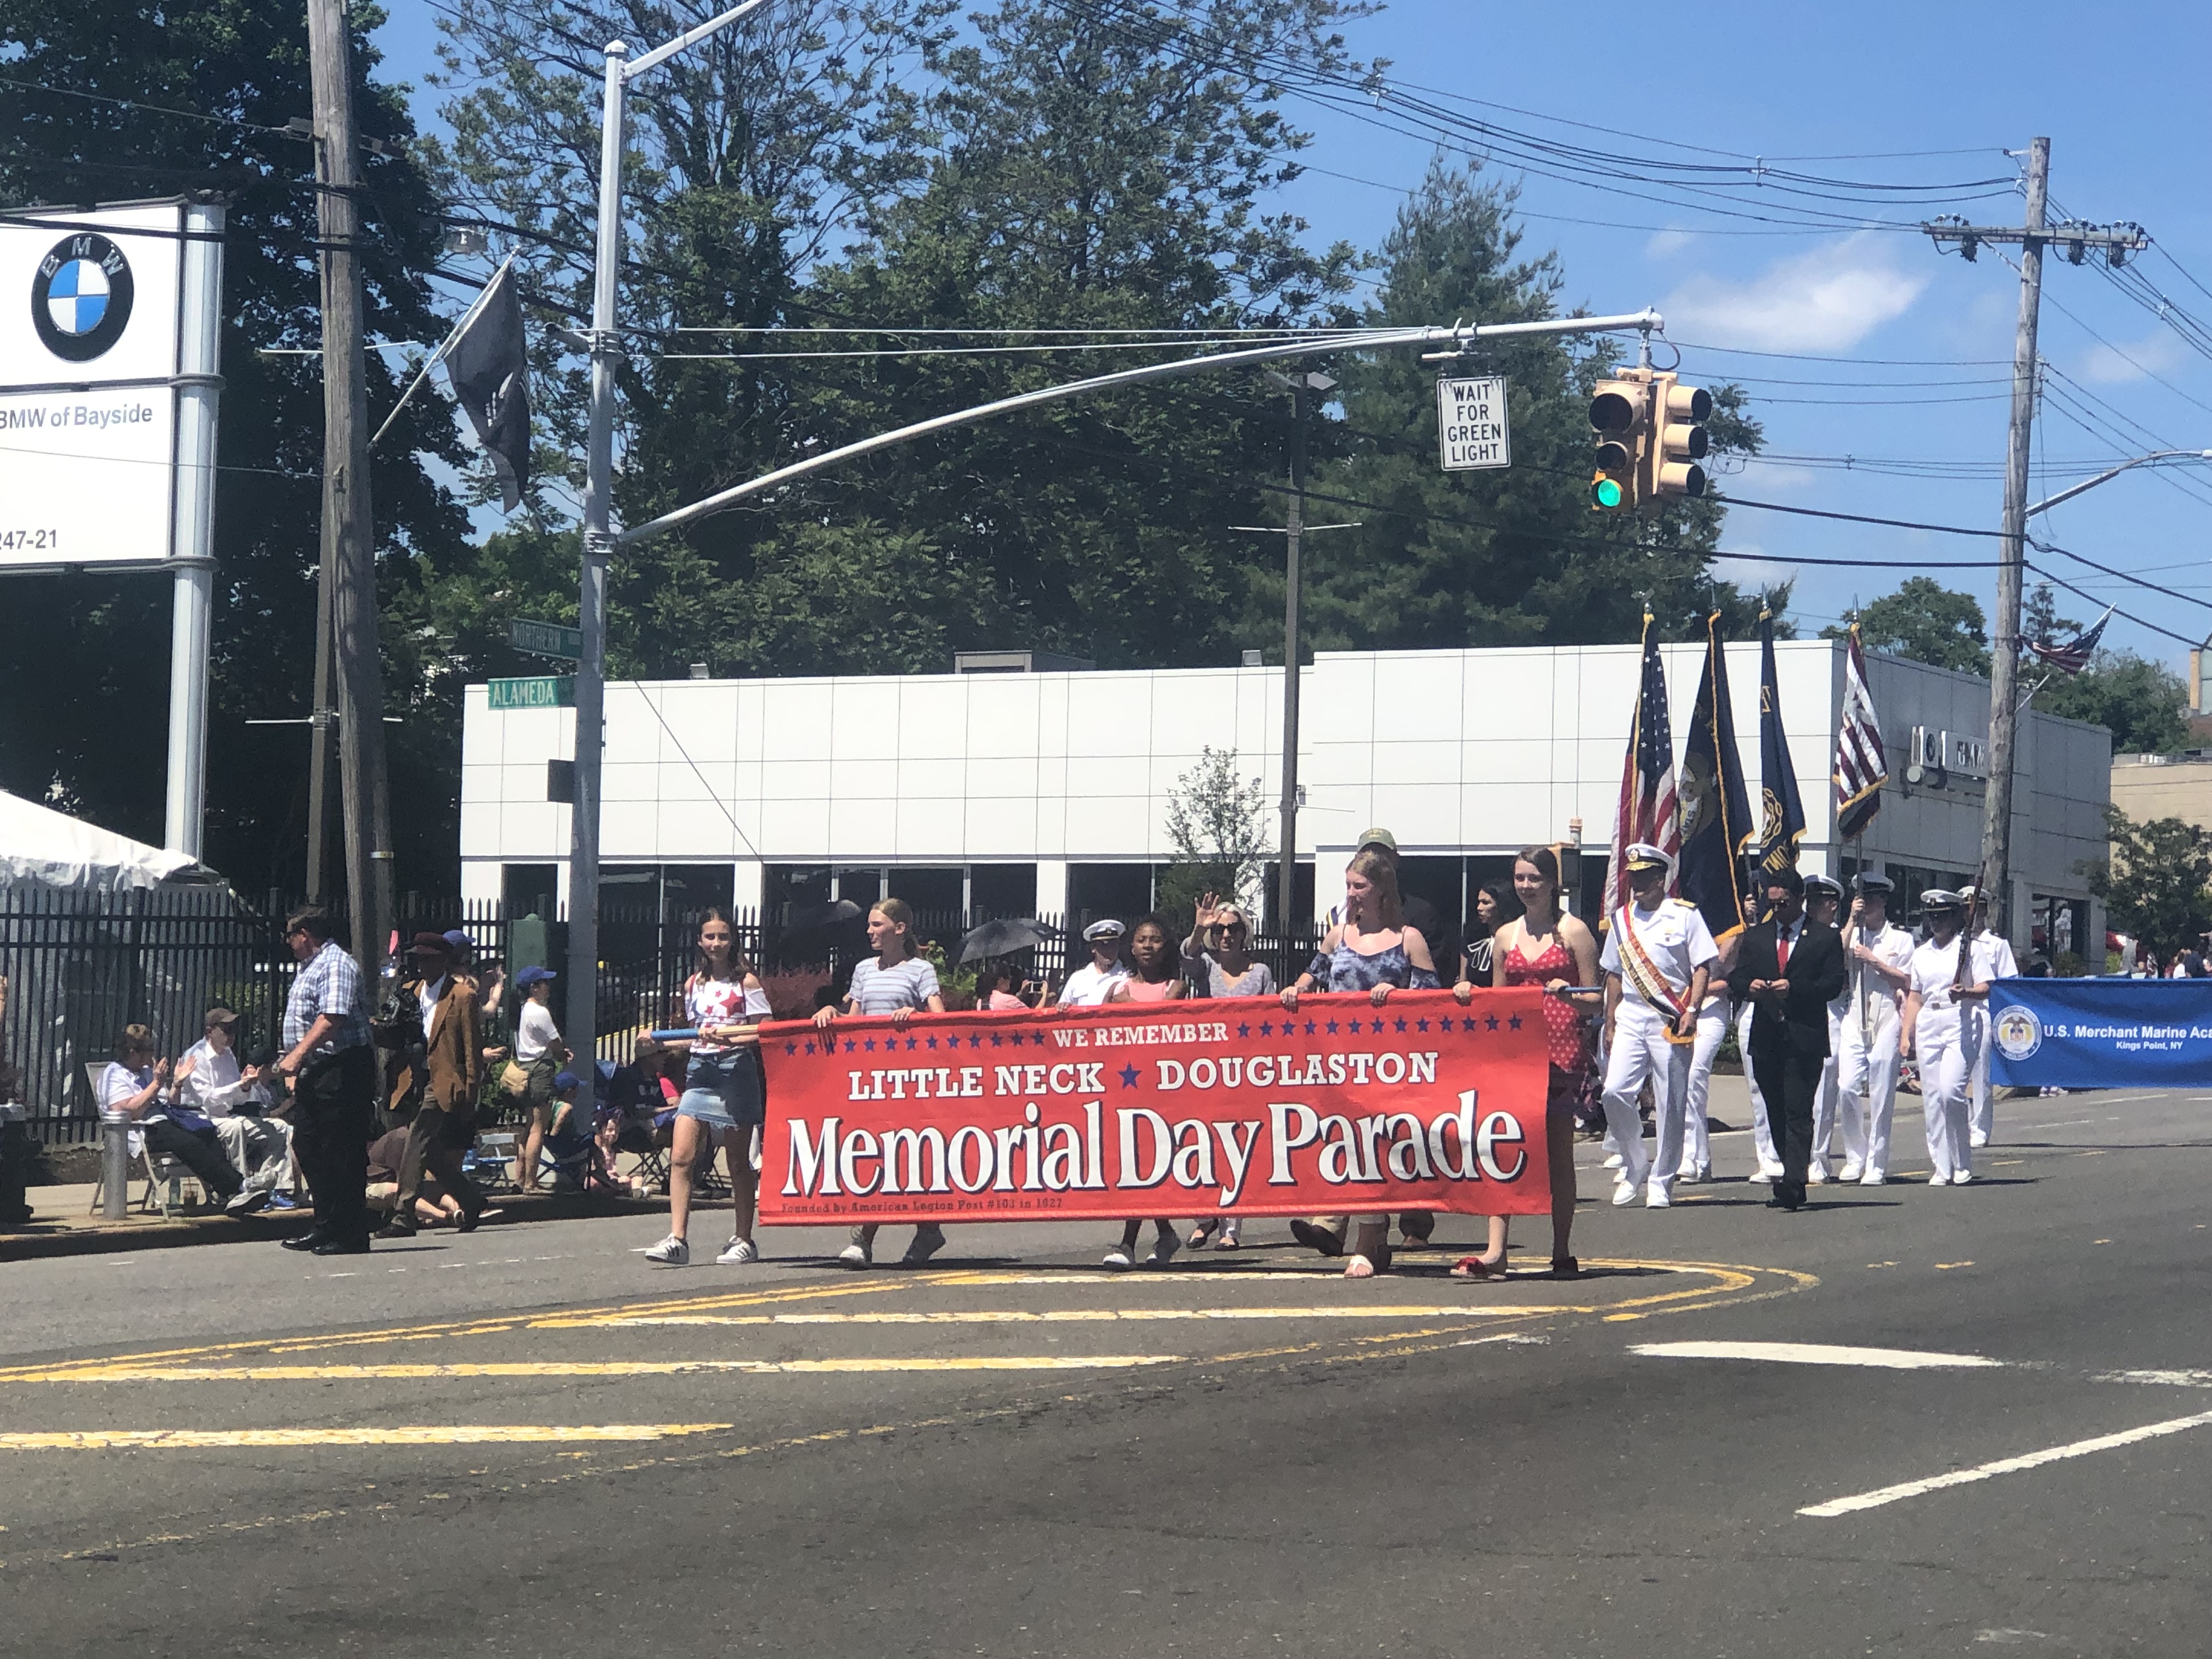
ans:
x=1790 y=969
x=1089 y=987
x=539 y=1052
x=1824 y=900
x=1657 y=961
x=1981 y=1112
x=1945 y=1026
x=211 y=1081
x=1879 y=960
x=438 y=1069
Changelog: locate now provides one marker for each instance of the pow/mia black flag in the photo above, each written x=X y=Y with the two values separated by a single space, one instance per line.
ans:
x=1782 y=820
x=1716 y=807
x=490 y=373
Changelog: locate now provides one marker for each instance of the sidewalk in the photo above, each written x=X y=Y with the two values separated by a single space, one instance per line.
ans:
x=63 y=1222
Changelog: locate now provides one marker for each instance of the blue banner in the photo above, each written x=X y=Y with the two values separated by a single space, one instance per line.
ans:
x=2101 y=1033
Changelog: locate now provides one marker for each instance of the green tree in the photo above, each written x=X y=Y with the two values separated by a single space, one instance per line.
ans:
x=98 y=88
x=1495 y=557
x=2144 y=703
x=2155 y=884
x=1928 y=623
x=1217 y=828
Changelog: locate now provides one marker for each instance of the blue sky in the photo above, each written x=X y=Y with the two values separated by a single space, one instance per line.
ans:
x=1876 y=348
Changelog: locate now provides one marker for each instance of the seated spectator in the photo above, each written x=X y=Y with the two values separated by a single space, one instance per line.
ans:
x=1000 y=988
x=387 y=1154
x=210 y=1081
x=637 y=1108
x=134 y=1085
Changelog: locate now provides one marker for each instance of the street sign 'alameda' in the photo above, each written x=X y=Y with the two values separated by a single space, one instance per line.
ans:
x=547 y=693
x=1472 y=433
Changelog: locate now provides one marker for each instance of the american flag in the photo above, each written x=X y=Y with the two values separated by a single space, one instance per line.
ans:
x=2071 y=659
x=1861 y=765
x=1647 y=780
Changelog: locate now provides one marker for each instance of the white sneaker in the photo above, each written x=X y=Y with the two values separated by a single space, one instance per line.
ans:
x=1119 y=1259
x=740 y=1251
x=1693 y=1174
x=1163 y=1249
x=856 y=1255
x=1815 y=1175
x=1655 y=1198
x=1851 y=1172
x=1625 y=1193
x=671 y=1252
x=1963 y=1177
x=1612 y=1160
x=1770 y=1172
x=1977 y=1139
x=1874 y=1178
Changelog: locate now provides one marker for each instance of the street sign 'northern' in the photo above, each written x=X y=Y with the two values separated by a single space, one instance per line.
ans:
x=1471 y=429
x=546 y=640
x=547 y=693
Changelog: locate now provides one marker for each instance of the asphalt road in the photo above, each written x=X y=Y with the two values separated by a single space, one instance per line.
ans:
x=525 y=1442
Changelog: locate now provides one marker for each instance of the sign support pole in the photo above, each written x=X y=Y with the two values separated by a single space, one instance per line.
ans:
x=191 y=560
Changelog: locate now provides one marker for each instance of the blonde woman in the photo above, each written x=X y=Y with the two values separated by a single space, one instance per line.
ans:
x=897 y=980
x=1371 y=950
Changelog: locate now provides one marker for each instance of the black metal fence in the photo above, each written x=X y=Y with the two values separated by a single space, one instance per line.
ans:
x=79 y=967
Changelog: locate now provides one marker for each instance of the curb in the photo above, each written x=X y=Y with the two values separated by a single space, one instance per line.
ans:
x=515 y=1211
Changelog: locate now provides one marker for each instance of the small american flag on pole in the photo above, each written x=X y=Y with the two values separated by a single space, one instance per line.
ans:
x=1862 y=768
x=1647 y=811
x=2073 y=657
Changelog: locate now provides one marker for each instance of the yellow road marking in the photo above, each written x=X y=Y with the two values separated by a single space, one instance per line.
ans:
x=127 y=1372
x=396 y=1435
x=1053 y=1317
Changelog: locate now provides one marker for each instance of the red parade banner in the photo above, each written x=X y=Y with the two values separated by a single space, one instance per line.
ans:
x=1174 y=1108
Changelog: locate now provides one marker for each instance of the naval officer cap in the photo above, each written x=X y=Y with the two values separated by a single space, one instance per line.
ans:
x=1643 y=855
x=1867 y=883
x=1940 y=898
x=1823 y=887
x=1099 y=931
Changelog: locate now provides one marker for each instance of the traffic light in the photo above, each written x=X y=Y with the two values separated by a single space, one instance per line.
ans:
x=1678 y=443
x=1620 y=413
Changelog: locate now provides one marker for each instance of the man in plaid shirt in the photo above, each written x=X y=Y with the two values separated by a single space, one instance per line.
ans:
x=330 y=1057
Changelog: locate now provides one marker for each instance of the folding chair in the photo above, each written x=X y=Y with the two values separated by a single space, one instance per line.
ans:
x=164 y=1177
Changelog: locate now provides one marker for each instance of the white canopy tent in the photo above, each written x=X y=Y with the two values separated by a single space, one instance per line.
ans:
x=39 y=846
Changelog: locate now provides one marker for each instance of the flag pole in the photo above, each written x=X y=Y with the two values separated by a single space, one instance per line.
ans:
x=438 y=356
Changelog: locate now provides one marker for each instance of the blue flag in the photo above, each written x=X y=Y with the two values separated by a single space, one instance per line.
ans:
x=1716 y=807
x=1782 y=817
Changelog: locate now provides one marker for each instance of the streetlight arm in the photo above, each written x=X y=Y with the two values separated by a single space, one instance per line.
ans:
x=1351 y=340
x=661 y=54
x=2156 y=456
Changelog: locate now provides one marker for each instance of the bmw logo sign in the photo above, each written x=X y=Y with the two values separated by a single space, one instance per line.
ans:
x=81 y=298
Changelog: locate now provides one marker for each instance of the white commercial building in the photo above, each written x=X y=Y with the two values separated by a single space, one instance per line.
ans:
x=1047 y=791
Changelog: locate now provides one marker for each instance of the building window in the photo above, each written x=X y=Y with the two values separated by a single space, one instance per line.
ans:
x=783 y=886
x=1301 y=897
x=527 y=890
x=933 y=892
x=1002 y=889
x=1095 y=891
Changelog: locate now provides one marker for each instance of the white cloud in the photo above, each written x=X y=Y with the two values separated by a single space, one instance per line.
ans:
x=1828 y=299
x=2133 y=360
x=1773 y=477
x=1666 y=242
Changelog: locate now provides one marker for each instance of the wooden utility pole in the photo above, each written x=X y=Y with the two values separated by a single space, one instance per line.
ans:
x=348 y=524
x=2112 y=242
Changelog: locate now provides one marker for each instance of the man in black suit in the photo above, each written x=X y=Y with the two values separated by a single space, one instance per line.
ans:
x=1790 y=969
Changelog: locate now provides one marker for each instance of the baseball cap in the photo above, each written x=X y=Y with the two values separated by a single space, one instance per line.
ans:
x=1378 y=836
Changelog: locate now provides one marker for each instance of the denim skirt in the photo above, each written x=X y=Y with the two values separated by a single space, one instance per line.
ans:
x=724 y=1091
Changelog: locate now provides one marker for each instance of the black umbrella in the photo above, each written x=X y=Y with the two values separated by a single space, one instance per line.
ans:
x=808 y=918
x=1004 y=936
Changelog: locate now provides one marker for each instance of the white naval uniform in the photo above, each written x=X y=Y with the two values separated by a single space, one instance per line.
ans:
x=1947 y=1041
x=1825 y=1096
x=1981 y=1121
x=1866 y=1061
x=1769 y=1158
x=1675 y=937
x=1697 y=1133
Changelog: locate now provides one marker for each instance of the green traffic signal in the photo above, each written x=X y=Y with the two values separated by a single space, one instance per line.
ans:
x=1604 y=492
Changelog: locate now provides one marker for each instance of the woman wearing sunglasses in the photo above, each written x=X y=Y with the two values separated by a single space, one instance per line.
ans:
x=1214 y=957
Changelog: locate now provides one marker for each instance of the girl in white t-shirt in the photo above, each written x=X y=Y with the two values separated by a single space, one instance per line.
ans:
x=723 y=1099
x=896 y=980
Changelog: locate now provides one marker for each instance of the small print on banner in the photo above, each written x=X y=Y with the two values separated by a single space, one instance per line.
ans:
x=1175 y=1109
x=1472 y=432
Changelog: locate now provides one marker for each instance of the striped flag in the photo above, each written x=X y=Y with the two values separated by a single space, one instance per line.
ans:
x=1862 y=767
x=2071 y=659
x=1647 y=810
